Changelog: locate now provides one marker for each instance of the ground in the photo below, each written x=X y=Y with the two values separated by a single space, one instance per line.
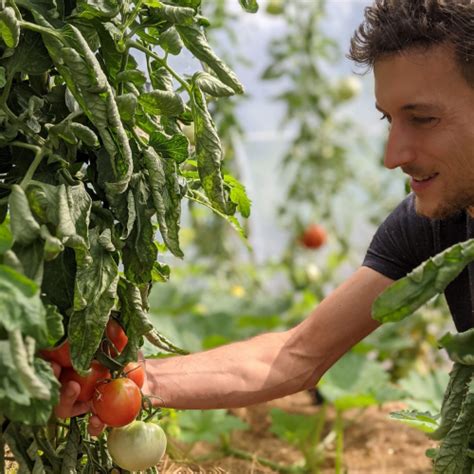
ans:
x=373 y=444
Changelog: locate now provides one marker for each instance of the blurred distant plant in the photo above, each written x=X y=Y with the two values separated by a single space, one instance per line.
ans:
x=316 y=163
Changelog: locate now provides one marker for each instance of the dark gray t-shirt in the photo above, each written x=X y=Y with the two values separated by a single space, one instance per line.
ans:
x=405 y=239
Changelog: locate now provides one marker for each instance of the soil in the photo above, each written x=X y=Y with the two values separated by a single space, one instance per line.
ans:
x=373 y=444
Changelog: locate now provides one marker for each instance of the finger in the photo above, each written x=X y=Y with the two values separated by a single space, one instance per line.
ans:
x=95 y=426
x=68 y=406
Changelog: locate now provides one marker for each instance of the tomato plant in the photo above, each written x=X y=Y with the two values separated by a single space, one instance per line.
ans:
x=135 y=371
x=60 y=354
x=117 y=402
x=94 y=172
x=313 y=237
x=88 y=382
x=137 y=446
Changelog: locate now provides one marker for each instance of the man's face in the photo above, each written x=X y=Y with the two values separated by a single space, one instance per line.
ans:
x=430 y=108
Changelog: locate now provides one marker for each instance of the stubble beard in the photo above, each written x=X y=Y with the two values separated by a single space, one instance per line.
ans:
x=449 y=206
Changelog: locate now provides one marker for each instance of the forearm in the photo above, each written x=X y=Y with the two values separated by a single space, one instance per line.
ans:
x=234 y=375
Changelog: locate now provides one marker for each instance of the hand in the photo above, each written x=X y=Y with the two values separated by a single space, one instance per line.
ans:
x=69 y=406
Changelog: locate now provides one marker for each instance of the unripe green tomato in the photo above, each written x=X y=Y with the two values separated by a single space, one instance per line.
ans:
x=137 y=446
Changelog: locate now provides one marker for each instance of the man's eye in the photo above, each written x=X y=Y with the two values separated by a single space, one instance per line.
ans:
x=384 y=116
x=424 y=120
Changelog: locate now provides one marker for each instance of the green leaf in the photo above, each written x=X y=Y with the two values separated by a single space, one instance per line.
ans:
x=160 y=102
x=20 y=305
x=161 y=78
x=54 y=321
x=208 y=152
x=100 y=9
x=455 y=394
x=165 y=192
x=140 y=253
x=196 y=43
x=238 y=195
x=134 y=318
x=291 y=427
x=25 y=229
x=15 y=401
x=406 y=295
x=250 y=6
x=170 y=41
x=453 y=455
x=207 y=425
x=424 y=391
x=135 y=76
x=30 y=57
x=423 y=421
x=175 y=14
x=211 y=85
x=94 y=297
x=127 y=106
x=175 y=147
x=354 y=381
x=9 y=27
x=459 y=346
x=6 y=238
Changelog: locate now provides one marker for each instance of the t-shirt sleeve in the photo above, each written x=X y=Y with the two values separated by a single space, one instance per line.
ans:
x=401 y=243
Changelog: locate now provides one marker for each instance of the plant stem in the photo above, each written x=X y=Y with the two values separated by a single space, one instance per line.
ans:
x=143 y=49
x=39 y=29
x=339 y=428
x=31 y=170
x=28 y=146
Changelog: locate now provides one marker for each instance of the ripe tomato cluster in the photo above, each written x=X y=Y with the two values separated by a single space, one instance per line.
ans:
x=116 y=401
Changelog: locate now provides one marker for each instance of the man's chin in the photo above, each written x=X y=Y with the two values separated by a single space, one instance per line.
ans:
x=436 y=212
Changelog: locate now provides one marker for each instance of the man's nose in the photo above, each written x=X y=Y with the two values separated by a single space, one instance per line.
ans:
x=399 y=149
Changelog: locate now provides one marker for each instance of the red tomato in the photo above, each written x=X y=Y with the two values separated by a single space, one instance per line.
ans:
x=117 y=402
x=116 y=335
x=314 y=236
x=135 y=371
x=60 y=354
x=88 y=382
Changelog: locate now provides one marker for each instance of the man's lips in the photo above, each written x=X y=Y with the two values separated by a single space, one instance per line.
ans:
x=420 y=183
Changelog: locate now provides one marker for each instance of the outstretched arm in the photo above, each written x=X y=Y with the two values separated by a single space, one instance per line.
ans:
x=271 y=365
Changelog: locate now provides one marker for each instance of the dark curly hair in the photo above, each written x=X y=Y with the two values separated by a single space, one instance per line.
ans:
x=391 y=26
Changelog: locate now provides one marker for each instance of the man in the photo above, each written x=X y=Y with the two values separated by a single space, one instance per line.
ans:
x=422 y=54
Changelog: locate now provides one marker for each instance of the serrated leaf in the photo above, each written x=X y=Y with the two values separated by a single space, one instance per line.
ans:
x=459 y=346
x=212 y=85
x=208 y=153
x=160 y=102
x=94 y=297
x=175 y=14
x=175 y=147
x=196 y=43
x=170 y=41
x=406 y=295
x=238 y=195
x=423 y=421
x=165 y=192
x=20 y=305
